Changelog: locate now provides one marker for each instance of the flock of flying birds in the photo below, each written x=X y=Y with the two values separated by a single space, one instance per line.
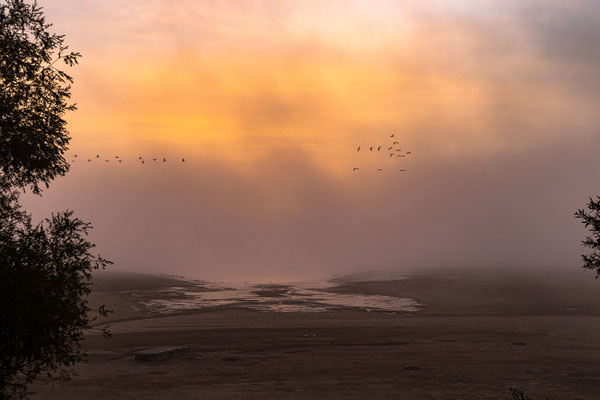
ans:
x=118 y=159
x=393 y=152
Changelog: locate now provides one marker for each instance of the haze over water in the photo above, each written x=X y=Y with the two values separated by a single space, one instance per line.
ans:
x=268 y=100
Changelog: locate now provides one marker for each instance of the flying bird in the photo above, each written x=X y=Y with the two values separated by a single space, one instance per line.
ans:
x=408 y=152
x=183 y=160
x=89 y=160
x=402 y=170
x=371 y=148
x=379 y=148
x=116 y=156
x=355 y=169
x=97 y=155
x=164 y=159
x=380 y=169
x=143 y=162
x=389 y=148
x=395 y=143
x=105 y=160
x=392 y=135
x=154 y=159
x=120 y=160
x=391 y=155
x=358 y=149
x=75 y=155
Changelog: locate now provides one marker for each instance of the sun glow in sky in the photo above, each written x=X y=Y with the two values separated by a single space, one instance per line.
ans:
x=276 y=96
x=321 y=77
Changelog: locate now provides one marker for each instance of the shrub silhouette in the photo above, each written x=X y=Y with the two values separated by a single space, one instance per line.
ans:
x=591 y=219
x=45 y=268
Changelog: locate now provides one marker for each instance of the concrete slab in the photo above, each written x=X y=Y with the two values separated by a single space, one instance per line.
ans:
x=158 y=353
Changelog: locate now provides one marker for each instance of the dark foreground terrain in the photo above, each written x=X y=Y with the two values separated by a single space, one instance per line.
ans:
x=477 y=335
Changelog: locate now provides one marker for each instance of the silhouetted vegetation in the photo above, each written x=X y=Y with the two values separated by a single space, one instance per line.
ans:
x=45 y=268
x=591 y=219
x=519 y=395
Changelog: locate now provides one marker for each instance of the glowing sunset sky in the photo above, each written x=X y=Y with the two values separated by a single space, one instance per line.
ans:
x=268 y=100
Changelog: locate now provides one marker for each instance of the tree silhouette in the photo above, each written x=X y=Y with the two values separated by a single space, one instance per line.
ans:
x=591 y=219
x=45 y=268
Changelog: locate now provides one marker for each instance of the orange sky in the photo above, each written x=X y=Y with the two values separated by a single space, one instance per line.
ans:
x=322 y=77
x=276 y=95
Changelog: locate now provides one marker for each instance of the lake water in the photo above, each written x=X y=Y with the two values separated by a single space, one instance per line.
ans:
x=292 y=297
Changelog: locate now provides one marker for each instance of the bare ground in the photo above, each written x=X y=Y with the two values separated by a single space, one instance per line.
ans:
x=478 y=335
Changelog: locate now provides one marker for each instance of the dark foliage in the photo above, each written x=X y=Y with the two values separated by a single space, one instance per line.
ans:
x=45 y=268
x=45 y=275
x=34 y=97
x=518 y=395
x=591 y=219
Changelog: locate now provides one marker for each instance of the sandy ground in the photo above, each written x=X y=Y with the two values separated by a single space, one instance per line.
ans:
x=478 y=334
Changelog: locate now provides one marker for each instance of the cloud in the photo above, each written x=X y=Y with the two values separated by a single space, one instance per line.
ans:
x=268 y=102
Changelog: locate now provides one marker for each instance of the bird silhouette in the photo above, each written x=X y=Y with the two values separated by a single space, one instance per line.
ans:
x=395 y=143
x=391 y=155
x=400 y=149
x=97 y=155
x=408 y=152
x=105 y=160
x=389 y=148
x=154 y=159
x=143 y=162
x=116 y=156
x=358 y=149
x=164 y=160
x=371 y=148
x=89 y=160
x=392 y=135
x=402 y=170
x=380 y=169
x=378 y=148
x=140 y=158
x=75 y=155
x=120 y=160
x=355 y=169
x=183 y=160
